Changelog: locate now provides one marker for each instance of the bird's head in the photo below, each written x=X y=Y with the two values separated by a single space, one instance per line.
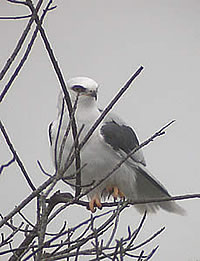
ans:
x=85 y=87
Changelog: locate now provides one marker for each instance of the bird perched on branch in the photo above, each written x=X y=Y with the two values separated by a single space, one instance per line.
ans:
x=109 y=144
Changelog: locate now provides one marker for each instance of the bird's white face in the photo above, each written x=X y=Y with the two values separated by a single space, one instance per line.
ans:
x=85 y=87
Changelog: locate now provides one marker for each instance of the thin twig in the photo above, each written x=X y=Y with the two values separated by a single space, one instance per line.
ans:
x=110 y=106
x=96 y=244
x=75 y=146
x=23 y=246
x=17 y=49
x=72 y=152
x=42 y=169
x=42 y=224
x=7 y=164
x=100 y=229
x=151 y=254
x=26 y=201
x=57 y=163
x=77 y=254
x=114 y=229
x=18 y=2
x=25 y=219
x=26 y=54
x=148 y=240
x=67 y=129
x=136 y=232
x=6 y=240
x=15 y=17
x=82 y=186
x=146 y=201
x=59 y=172
x=141 y=256
x=60 y=78
x=11 y=226
x=16 y=156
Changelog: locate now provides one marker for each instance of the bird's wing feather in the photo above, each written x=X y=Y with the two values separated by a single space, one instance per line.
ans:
x=121 y=138
x=147 y=178
x=148 y=187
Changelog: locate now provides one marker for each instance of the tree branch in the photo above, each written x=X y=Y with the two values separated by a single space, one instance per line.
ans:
x=110 y=106
x=7 y=164
x=27 y=52
x=16 y=157
x=60 y=78
x=14 y=18
x=17 y=49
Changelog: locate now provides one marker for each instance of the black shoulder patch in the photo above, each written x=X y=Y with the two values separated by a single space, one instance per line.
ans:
x=50 y=133
x=119 y=136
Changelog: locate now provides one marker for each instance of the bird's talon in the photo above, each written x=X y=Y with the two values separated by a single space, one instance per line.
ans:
x=115 y=192
x=95 y=202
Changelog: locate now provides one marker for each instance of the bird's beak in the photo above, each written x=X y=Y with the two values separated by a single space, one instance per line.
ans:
x=92 y=94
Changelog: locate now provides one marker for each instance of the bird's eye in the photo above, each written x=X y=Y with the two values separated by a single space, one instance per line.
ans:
x=78 y=88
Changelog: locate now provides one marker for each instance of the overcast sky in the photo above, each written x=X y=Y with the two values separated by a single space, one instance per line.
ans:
x=108 y=41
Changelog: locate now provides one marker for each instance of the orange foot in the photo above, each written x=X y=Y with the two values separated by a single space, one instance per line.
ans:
x=115 y=192
x=95 y=202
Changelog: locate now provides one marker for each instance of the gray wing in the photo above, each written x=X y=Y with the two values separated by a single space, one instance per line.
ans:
x=148 y=187
x=121 y=138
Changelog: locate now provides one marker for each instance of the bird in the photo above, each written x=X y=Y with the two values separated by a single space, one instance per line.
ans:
x=112 y=140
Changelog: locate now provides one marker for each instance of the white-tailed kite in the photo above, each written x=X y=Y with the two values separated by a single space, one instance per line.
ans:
x=108 y=145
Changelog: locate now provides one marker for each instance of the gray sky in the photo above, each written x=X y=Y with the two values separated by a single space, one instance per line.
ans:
x=108 y=41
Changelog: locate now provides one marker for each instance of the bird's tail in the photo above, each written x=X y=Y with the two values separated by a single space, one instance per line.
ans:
x=149 y=188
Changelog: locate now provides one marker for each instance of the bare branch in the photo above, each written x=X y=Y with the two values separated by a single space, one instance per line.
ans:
x=8 y=239
x=136 y=232
x=23 y=246
x=73 y=148
x=68 y=130
x=114 y=229
x=110 y=106
x=146 y=201
x=42 y=224
x=7 y=164
x=148 y=240
x=42 y=169
x=19 y=45
x=57 y=163
x=26 y=201
x=15 y=17
x=26 y=220
x=17 y=49
x=18 y=2
x=15 y=155
x=151 y=254
x=141 y=256
x=83 y=241
x=59 y=75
